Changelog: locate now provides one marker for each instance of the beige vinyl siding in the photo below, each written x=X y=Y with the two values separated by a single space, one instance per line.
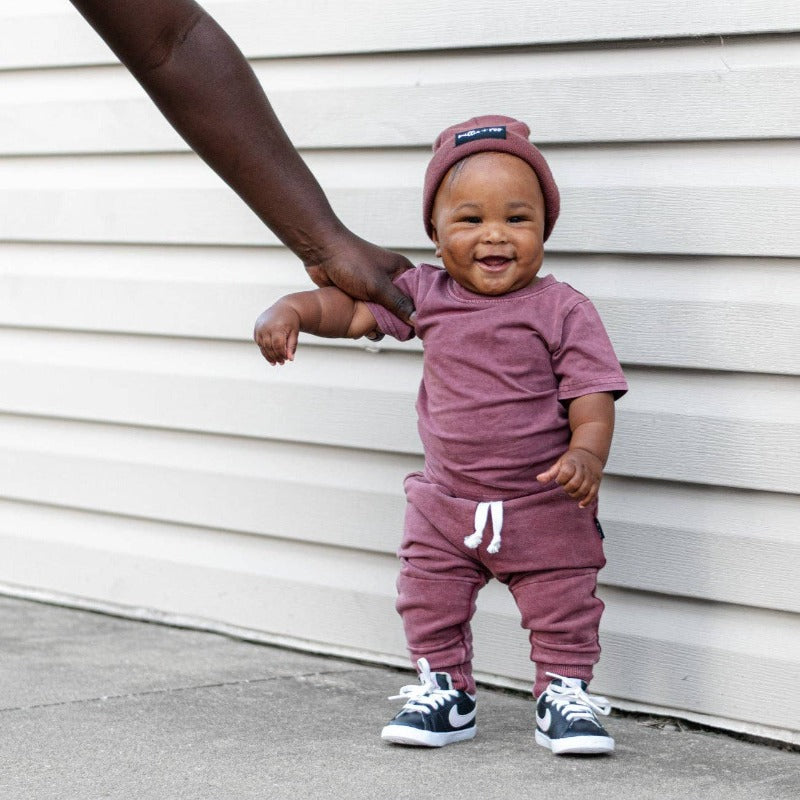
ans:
x=44 y=33
x=152 y=464
x=684 y=91
x=692 y=316
x=716 y=198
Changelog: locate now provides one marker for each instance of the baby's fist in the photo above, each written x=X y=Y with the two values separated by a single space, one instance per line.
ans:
x=579 y=472
x=276 y=332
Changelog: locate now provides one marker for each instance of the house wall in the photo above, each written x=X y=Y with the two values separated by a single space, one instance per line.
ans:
x=151 y=464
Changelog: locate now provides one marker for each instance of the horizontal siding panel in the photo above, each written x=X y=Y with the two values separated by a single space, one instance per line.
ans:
x=45 y=33
x=213 y=386
x=681 y=199
x=700 y=313
x=651 y=649
x=334 y=496
x=729 y=429
x=284 y=588
x=714 y=429
x=55 y=34
x=656 y=649
x=704 y=313
x=711 y=543
x=708 y=543
x=690 y=92
x=206 y=292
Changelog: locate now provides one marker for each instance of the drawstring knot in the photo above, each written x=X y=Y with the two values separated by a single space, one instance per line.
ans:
x=482 y=511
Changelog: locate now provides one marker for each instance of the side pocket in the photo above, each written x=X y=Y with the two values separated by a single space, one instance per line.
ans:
x=599 y=528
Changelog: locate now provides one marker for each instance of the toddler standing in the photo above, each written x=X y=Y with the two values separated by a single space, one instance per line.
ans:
x=516 y=415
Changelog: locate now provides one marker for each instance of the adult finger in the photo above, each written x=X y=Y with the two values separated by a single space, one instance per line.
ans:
x=398 y=303
x=319 y=276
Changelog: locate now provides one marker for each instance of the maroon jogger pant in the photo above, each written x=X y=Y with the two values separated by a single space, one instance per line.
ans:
x=549 y=557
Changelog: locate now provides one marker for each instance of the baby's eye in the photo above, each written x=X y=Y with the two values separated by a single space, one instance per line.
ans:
x=517 y=218
x=471 y=220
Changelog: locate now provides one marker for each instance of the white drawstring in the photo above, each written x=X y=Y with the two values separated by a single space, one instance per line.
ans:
x=482 y=511
x=427 y=695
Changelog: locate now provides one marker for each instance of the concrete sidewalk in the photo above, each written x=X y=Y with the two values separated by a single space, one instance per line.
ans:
x=93 y=706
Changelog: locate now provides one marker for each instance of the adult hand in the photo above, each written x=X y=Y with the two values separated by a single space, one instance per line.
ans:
x=365 y=271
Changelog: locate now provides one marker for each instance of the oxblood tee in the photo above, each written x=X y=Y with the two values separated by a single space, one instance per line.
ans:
x=498 y=374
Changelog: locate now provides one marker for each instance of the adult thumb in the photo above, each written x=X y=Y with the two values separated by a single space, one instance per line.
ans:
x=398 y=303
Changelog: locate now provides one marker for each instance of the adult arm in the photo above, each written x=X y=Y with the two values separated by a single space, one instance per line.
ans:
x=205 y=87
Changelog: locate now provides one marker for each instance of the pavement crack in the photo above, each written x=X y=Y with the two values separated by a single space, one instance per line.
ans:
x=170 y=690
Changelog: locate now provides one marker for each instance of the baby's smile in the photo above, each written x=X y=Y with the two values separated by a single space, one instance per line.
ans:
x=495 y=263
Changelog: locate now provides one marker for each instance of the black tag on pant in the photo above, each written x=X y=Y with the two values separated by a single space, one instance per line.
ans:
x=599 y=528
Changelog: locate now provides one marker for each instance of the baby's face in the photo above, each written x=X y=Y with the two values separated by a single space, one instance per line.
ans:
x=488 y=223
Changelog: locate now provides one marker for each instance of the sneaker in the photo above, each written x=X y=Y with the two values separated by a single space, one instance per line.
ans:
x=566 y=720
x=435 y=714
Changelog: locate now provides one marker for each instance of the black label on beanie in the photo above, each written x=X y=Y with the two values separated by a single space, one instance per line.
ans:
x=493 y=132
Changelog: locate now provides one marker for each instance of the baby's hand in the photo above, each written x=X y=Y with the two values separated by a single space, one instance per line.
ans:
x=276 y=333
x=579 y=472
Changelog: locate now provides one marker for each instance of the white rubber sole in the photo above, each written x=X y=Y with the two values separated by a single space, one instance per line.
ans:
x=576 y=745
x=403 y=734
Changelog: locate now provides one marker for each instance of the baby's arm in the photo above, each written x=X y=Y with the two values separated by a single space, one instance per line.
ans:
x=324 y=312
x=580 y=469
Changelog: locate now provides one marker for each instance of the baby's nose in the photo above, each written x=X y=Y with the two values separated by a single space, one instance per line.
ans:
x=494 y=232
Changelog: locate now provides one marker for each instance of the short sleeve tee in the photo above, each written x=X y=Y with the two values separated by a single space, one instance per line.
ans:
x=498 y=374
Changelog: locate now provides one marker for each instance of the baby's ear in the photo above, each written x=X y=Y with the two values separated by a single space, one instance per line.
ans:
x=435 y=237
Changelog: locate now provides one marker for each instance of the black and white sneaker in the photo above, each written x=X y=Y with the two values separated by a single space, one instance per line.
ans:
x=566 y=720
x=435 y=714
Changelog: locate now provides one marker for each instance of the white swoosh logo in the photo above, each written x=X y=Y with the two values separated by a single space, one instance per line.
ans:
x=544 y=722
x=459 y=720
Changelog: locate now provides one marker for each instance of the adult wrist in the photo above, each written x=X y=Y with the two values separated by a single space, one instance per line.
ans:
x=322 y=243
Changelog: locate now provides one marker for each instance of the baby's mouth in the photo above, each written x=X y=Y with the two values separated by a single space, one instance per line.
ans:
x=494 y=262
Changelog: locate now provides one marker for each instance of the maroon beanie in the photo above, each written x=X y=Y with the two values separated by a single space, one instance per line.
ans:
x=489 y=133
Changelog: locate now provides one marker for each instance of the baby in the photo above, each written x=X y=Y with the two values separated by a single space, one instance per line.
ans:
x=516 y=415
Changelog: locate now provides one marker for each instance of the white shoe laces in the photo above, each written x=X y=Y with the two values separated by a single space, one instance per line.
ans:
x=573 y=702
x=425 y=695
x=481 y=517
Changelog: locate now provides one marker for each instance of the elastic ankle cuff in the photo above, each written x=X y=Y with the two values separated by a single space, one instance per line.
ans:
x=582 y=671
x=463 y=680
